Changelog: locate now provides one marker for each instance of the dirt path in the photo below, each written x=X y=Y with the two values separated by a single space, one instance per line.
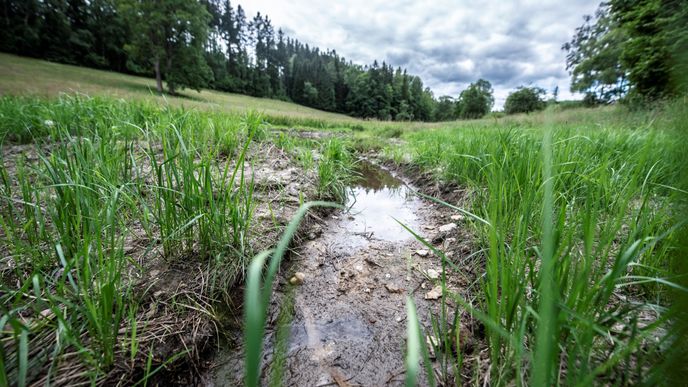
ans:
x=349 y=322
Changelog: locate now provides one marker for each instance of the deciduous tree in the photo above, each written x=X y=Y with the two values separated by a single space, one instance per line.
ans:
x=168 y=35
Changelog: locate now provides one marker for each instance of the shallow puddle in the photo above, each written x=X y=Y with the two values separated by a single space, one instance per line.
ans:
x=346 y=319
x=378 y=201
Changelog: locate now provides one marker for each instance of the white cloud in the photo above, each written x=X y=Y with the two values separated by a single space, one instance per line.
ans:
x=447 y=43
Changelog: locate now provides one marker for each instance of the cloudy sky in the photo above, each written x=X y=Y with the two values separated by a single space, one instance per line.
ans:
x=447 y=43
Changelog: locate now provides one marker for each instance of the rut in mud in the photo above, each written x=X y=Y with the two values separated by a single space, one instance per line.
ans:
x=349 y=318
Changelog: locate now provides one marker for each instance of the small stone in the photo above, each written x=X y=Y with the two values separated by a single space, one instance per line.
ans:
x=367 y=290
x=392 y=288
x=388 y=276
x=447 y=227
x=422 y=253
x=433 y=274
x=358 y=268
x=297 y=278
x=335 y=217
x=434 y=294
x=311 y=235
x=457 y=217
x=423 y=286
x=399 y=319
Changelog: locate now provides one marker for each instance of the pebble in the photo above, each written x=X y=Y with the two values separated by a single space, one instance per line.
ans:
x=422 y=253
x=433 y=274
x=456 y=217
x=393 y=288
x=297 y=279
x=434 y=294
x=447 y=227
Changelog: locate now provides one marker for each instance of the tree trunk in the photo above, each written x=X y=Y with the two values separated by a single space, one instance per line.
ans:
x=158 y=76
x=170 y=85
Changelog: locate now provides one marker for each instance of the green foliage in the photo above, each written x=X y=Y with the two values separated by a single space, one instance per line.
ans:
x=169 y=36
x=89 y=33
x=446 y=109
x=525 y=100
x=630 y=46
x=102 y=173
x=476 y=101
x=593 y=58
x=577 y=237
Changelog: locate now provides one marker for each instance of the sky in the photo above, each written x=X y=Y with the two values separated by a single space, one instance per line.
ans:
x=449 y=44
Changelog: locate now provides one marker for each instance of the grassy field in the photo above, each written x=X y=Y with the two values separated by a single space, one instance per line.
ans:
x=24 y=76
x=98 y=194
x=577 y=214
x=577 y=219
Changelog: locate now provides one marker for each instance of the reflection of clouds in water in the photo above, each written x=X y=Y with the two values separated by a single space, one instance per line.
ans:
x=377 y=199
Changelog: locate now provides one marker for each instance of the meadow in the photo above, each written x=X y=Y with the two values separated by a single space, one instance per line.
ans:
x=577 y=216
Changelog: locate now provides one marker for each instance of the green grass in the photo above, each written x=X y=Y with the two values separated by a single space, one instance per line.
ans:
x=577 y=222
x=96 y=173
x=25 y=76
x=576 y=214
x=20 y=76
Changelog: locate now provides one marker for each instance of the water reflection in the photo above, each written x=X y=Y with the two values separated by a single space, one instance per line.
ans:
x=375 y=200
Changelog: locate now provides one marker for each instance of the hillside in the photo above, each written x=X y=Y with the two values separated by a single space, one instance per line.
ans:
x=27 y=76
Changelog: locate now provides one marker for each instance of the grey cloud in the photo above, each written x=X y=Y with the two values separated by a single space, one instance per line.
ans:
x=448 y=43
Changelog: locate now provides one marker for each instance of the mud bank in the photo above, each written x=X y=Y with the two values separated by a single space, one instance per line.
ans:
x=349 y=320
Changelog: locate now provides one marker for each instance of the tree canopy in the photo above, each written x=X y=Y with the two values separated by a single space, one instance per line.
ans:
x=525 y=100
x=476 y=101
x=630 y=46
x=169 y=36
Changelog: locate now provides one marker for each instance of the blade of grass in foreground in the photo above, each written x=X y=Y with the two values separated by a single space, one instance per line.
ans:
x=545 y=344
x=415 y=347
x=257 y=295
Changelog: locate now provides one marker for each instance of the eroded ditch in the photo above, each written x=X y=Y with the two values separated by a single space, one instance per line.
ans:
x=349 y=317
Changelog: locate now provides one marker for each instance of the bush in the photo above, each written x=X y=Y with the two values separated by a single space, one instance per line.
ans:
x=525 y=100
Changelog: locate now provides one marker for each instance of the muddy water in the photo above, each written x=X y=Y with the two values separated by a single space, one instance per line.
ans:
x=349 y=315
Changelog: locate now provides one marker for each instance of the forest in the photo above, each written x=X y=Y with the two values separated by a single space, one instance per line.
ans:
x=624 y=49
x=209 y=44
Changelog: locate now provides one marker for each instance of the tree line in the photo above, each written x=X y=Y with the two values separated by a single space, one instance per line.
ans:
x=212 y=44
x=631 y=49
